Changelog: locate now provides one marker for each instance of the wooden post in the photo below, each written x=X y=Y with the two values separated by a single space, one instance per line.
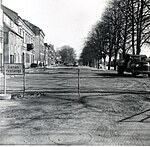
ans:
x=24 y=83
x=79 y=82
x=4 y=80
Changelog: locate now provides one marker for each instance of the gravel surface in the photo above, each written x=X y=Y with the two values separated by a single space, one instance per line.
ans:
x=110 y=110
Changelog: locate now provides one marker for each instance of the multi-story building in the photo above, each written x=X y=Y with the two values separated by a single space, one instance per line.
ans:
x=12 y=48
x=28 y=42
x=39 y=43
x=21 y=38
x=50 y=54
x=46 y=54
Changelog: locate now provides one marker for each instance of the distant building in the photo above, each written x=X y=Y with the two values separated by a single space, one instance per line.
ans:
x=50 y=54
x=46 y=46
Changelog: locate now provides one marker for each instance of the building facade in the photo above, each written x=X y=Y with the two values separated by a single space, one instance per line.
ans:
x=12 y=48
x=50 y=54
x=20 y=39
x=28 y=39
x=17 y=37
x=39 y=43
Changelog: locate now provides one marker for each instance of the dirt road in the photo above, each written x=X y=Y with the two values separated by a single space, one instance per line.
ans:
x=111 y=110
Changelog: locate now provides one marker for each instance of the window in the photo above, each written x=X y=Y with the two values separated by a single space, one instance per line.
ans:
x=32 y=59
x=23 y=37
x=1 y=36
x=15 y=58
x=19 y=59
x=27 y=58
x=11 y=58
x=11 y=24
x=20 y=31
x=1 y=59
x=6 y=38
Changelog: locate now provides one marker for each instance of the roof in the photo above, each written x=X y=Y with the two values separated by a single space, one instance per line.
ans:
x=10 y=13
x=34 y=28
x=15 y=17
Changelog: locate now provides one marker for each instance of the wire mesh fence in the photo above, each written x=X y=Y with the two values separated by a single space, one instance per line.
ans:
x=60 y=80
x=75 y=80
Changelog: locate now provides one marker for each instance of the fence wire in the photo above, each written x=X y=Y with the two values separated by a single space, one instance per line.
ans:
x=75 y=80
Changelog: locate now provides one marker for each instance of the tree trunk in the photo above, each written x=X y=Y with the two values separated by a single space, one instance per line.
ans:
x=139 y=27
x=116 y=50
x=125 y=37
x=109 y=63
x=104 y=62
x=110 y=55
x=133 y=31
x=98 y=64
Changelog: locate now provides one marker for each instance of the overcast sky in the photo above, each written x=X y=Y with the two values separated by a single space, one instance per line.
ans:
x=64 y=22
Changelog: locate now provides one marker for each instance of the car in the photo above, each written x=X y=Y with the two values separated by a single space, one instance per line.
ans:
x=135 y=64
x=68 y=64
x=34 y=65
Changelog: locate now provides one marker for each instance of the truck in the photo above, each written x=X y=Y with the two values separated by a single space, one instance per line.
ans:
x=135 y=64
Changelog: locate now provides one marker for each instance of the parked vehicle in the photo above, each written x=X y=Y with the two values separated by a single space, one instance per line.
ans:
x=68 y=64
x=135 y=64
x=34 y=65
x=75 y=64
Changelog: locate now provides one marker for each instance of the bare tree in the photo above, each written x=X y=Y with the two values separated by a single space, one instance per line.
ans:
x=125 y=25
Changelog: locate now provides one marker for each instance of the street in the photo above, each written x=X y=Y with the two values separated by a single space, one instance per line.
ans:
x=71 y=106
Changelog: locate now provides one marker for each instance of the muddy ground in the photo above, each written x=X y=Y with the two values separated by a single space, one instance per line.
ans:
x=110 y=110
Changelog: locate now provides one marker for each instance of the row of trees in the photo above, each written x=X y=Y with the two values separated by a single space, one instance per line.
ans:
x=124 y=26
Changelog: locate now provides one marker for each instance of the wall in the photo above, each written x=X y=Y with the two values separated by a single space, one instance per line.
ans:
x=12 y=46
x=28 y=38
x=37 y=49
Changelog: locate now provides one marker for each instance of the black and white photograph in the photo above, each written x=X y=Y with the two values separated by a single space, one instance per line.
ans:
x=75 y=72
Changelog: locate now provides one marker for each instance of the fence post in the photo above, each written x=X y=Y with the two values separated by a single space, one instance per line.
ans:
x=79 y=82
x=24 y=80
x=4 y=80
